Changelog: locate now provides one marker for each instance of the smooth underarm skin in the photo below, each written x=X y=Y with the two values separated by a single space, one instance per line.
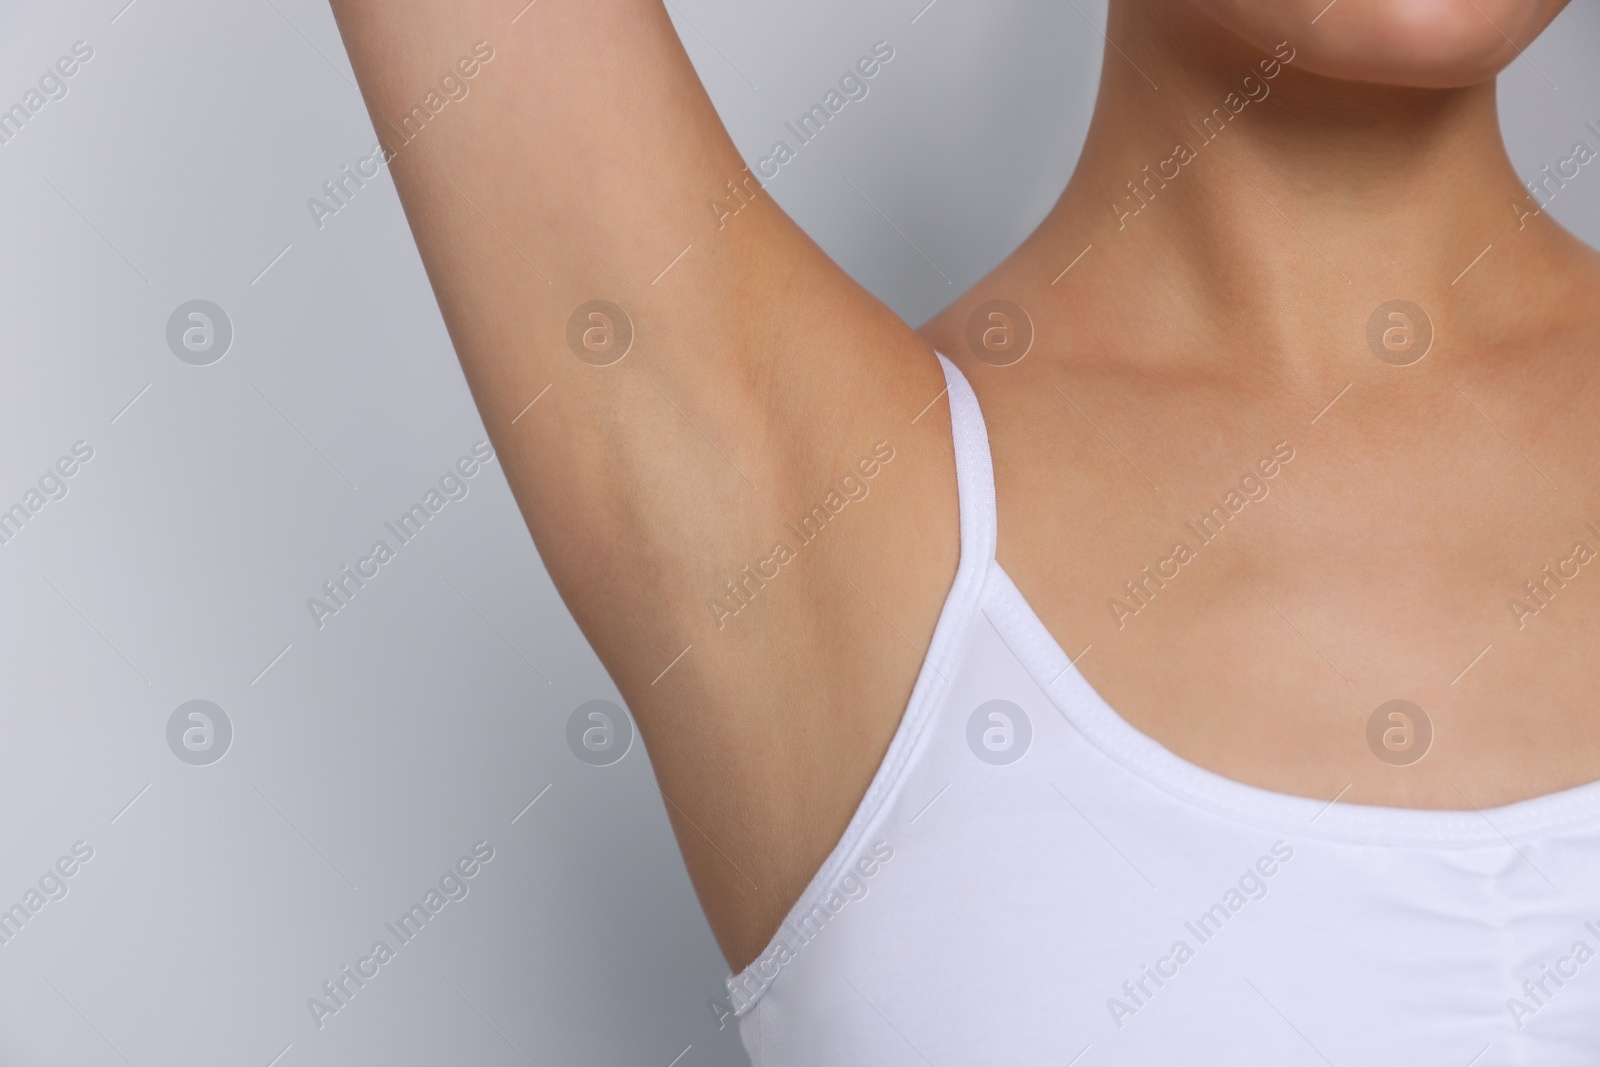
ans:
x=577 y=168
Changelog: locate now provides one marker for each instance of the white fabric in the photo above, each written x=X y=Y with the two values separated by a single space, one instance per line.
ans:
x=1101 y=901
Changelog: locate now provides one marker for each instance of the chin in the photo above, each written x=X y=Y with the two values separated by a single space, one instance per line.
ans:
x=1437 y=44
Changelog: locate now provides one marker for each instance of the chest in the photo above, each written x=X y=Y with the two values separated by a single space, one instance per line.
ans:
x=1064 y=885
x=1393 y=601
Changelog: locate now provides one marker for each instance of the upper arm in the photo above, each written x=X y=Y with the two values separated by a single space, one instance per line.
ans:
x=577 y=167
x=576 y=164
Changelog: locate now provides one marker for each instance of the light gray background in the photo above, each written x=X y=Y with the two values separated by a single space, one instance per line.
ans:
x=369 y=755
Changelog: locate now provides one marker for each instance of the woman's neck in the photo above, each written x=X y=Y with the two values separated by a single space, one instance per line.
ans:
x=1228 y=198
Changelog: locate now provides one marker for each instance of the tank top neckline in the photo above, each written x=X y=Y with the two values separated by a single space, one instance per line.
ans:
x=1146 y=758
x=993 y=925
x=981 y=588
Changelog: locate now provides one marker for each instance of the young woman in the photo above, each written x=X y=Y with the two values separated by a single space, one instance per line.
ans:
x=1197 y=663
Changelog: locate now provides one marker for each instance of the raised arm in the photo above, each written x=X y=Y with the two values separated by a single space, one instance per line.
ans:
x=699 y=379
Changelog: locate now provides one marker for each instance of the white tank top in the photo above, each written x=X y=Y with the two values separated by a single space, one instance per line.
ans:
x=1030 y=880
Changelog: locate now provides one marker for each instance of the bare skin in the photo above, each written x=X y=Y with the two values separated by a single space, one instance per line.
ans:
x=1221 y=320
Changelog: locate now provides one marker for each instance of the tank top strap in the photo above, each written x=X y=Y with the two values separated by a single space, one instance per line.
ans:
x=929 y=695
x=974 y=467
